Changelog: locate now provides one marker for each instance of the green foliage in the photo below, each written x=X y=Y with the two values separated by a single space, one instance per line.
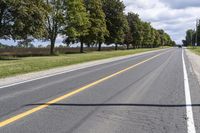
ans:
x=198 y=34
x=157 y=39
x=55 y=20
x=192 y=37
x=144 y=35
x=77 y=19
x=128 y=39
x=98 y=29
x=22 y=18
x=195 y=50
x=77 y=22
x=116 y=21
x=80 y=21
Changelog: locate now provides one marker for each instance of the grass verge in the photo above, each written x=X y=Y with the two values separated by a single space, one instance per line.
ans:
x=195 y=50
x=14 y=66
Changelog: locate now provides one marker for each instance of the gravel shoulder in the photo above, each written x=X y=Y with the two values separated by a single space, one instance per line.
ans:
x=195 y=61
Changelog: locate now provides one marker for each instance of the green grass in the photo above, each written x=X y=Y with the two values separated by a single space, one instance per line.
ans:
x=195 y=50
x=14 y=66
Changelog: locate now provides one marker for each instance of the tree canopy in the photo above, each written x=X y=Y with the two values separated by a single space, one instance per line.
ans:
x=19 y=20
x=98 y=29
x=55 y=20
x=77 y=21
x=89 y=22
x=115 y=20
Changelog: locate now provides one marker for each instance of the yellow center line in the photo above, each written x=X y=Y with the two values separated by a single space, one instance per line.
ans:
x=78 y=90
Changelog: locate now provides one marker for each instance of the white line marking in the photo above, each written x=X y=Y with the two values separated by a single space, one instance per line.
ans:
x=189 y=112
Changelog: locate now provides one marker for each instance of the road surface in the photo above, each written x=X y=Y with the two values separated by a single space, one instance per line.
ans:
x=142 y=94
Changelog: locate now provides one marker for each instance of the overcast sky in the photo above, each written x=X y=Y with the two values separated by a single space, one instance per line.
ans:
x=174 y=16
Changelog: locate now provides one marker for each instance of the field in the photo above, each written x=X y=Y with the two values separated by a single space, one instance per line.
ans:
x=20 y=65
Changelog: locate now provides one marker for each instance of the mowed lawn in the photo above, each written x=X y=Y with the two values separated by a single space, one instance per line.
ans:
x=14 y=66
x=195 y=50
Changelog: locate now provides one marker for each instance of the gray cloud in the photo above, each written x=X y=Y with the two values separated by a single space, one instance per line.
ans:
x=181 y=4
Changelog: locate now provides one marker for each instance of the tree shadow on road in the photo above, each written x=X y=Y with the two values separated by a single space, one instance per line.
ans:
x=119 y=104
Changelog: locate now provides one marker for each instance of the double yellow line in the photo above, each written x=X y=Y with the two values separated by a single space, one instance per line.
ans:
x=78 y=90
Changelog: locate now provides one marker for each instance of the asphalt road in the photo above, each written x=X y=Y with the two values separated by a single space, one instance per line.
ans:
x=142 y=94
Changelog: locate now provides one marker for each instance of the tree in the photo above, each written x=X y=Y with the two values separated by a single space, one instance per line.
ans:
x=194 y=38
x=98 y=29
x=25 y=43
x=157 y=39
x=153 y=36
x=198 y=34
x=4 y=46
x=55 y=21
x=128 y=39
x=184 y=42
x=173 y=43
x=162 y=37
x=189 y=37
x=19 y=20
x=136 y=28
x=146 y=34
x=77 y=20
x=116 y=21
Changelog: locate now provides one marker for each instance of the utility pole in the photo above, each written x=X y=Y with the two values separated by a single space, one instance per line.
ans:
x=197 y=25
x=191 y=37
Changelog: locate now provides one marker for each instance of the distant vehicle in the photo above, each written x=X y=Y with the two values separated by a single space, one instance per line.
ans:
x=179 y=46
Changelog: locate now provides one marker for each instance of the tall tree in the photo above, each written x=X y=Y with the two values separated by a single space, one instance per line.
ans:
x=128 y=39
x=162 y=37
x=98 y=29
x=157 y=39
x=190 y=37
x=136 y=28
x=146 y=34
x=19 y=20
x=198 y=34
x=55 y=21
x=77 y=22
x=116 y=21
x=153 y=36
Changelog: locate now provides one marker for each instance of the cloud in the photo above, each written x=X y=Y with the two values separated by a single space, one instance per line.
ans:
x=181 y=4
x=174 y=16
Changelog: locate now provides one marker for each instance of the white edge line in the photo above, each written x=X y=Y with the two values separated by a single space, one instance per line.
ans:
x=74 y=69
x=189 y=112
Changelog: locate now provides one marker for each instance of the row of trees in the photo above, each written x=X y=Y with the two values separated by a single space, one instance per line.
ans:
x=89 y=22
x=192 y=37
x=142 y=34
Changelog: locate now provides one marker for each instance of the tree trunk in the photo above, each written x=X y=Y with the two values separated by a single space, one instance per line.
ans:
x=116 y=46
x=52 y=46
x=81 y=48
x=127 y=46
x=99 y=48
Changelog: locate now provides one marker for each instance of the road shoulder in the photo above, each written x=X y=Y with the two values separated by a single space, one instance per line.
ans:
x=195 y=61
